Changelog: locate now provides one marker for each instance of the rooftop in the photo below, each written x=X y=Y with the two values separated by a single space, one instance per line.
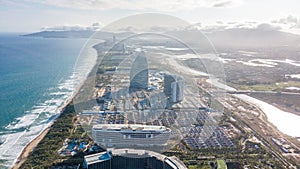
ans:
x=133 y=153
x=137 y=153
x=99 y=157
x=130 y=127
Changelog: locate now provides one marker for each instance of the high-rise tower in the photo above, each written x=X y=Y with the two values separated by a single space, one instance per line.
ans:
x=173 y=88
x=139 y=73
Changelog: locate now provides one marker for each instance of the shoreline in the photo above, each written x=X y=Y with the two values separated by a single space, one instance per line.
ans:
x=274 y=114
x=29 y=147
x=35 y=141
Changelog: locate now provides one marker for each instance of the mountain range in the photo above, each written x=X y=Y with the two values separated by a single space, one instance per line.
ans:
x=228 y=38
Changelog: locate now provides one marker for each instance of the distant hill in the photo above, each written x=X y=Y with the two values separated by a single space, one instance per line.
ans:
x=62 y=34
x=78 y=34
x=253 y=38
x=229 y=38
x=240 y=38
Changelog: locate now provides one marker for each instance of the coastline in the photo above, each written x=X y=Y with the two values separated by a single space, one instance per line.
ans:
x=35 y=141
x=29 y=147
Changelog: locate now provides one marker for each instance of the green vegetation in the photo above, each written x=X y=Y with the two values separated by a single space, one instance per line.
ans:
x=46 y=153
x=192 y=166
x=199 y=167
x=221 y=164
x=268 y=86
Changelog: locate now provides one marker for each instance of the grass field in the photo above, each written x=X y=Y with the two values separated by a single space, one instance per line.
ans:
x=269 y=87
x=221 y=164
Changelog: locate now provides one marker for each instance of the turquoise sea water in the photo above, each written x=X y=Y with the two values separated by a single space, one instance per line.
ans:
x=36 y=78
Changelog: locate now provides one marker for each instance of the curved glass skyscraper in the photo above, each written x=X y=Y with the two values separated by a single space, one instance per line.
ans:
x=139 y=73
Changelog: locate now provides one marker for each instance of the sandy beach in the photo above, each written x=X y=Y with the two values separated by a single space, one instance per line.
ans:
x=29 y=147
x=33 y=143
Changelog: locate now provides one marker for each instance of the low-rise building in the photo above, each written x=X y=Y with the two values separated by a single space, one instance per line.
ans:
x=124 y=135
x=131 y=158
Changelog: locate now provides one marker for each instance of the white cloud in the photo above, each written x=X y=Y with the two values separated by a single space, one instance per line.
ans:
x=214 y=28
x=288 y=20
x=267 y=27
x=195 y=26
x=157 y=5
x=94 y=27
x=221 y=26
x=296 y=26
x=291 y=21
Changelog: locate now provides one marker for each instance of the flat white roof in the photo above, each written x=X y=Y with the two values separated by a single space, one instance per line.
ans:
x=94 y=158
x=137 y=152
x=130 y=127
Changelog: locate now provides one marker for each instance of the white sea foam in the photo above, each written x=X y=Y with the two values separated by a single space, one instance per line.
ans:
x=36 y=119
x=23 y=121
x=58 y=93
x=16 y=142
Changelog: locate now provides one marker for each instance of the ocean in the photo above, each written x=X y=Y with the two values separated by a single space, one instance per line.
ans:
x=37 y=77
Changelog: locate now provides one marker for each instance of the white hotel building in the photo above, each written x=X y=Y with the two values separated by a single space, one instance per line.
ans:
x=115 y=135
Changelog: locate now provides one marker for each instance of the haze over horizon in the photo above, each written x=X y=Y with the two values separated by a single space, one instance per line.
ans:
x=199 y=83
x=33 y=16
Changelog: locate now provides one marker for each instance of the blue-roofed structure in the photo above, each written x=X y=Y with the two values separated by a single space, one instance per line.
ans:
x=98 y=160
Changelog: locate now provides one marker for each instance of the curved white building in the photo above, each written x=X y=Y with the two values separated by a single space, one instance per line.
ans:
x=131 y=158
x=116 y=135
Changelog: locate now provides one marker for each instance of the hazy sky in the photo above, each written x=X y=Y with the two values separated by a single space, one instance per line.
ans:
x=33 y=15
